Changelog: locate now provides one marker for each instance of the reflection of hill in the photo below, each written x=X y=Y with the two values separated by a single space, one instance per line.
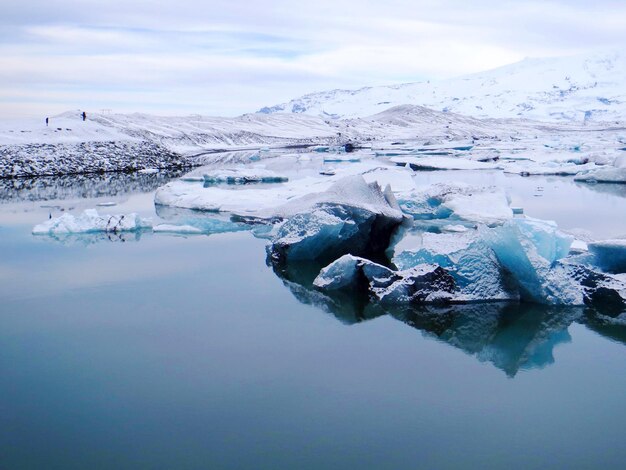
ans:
x=47 y=188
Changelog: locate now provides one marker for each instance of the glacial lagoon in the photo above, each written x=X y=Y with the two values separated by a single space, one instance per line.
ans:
x=173 y=351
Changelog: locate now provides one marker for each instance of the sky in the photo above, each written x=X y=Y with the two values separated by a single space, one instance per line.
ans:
x=218 y=57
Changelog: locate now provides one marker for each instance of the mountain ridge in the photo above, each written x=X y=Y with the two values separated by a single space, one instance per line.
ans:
x=575 y=89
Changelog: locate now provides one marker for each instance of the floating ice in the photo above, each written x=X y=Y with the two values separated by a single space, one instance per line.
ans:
x=529 y=249
x=487 y=205
x=181 y=229
x=90 y=221
x=548 y=168
x=351 y=217
x=472 y=264
x=610 y=255
x=242 y=176
x=443 y=163
x=606 y=174
x=420 y=284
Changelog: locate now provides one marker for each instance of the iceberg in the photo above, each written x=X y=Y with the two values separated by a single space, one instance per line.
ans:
x=481 y=205
x=177 y=229
x=528 y=250
x=549 y=168
x=90 y=221
x=351 y=217
x=603 y=175
x=420 y=284
x=473 y=265
x=243 y=176
x=443 y=163
x=610 y=255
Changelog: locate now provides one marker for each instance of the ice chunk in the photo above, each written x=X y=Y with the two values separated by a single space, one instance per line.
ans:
x=606 y=174
x=486 y=205
x=351 y=217
x=90 y=221
x=528 y=249
x=242 y=176
x=351 y=273
x=610 y=255
x=420 y=284
x=331 y=231
x=443 y=163
x=182 y=229
x=548 y=168
x=469 y=260
x=351 y=191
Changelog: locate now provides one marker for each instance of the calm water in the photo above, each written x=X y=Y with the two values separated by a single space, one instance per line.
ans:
x=173 y=352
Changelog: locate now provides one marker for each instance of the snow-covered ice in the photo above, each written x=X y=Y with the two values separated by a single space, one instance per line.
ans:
x=606 y=174
x=243 y=175
x=352 y=216
x=90 y=221
x=610 y=255
x=486 y=205
x=443 y=163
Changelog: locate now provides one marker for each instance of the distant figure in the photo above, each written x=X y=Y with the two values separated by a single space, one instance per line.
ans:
x=46 y=122
x=84 y=115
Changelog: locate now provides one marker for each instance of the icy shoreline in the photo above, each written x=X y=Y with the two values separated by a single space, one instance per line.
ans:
x=414 y=135
x=29 y=160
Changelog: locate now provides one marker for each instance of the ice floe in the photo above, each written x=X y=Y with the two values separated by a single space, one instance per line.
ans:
x=442 y=163
x=606 y=174
x=486 y=205
x=610 y=255
x=242 y=176
x=91 y=221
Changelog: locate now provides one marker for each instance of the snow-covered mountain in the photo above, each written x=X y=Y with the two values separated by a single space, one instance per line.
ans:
x=577 y=88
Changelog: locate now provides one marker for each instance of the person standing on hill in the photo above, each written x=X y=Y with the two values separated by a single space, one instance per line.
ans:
x=46 y=122
x=84 y=115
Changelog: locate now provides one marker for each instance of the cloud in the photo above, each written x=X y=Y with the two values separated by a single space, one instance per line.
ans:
x=224 y=57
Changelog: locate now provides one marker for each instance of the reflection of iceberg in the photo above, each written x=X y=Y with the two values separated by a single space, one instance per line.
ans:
x=348 y=308
x=512 y=337
x=186 y=221
x=93 y=238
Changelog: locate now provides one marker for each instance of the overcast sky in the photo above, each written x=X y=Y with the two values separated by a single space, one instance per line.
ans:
x=229 y=57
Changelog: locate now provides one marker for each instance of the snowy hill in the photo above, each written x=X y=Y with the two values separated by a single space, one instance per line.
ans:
x=573 y=89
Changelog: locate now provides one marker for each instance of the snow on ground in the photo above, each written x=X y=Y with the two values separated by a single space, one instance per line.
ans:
x=134 y=142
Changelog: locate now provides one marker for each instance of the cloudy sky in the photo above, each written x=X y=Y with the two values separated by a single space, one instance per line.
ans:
x=229 y=57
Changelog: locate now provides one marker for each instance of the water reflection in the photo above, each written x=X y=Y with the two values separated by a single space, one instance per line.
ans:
x=91 y=238
x=82 y=186
x=511 y=336
x=611 y=189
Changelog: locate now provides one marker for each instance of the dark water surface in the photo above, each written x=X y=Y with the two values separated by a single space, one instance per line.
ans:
x=172 y=352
